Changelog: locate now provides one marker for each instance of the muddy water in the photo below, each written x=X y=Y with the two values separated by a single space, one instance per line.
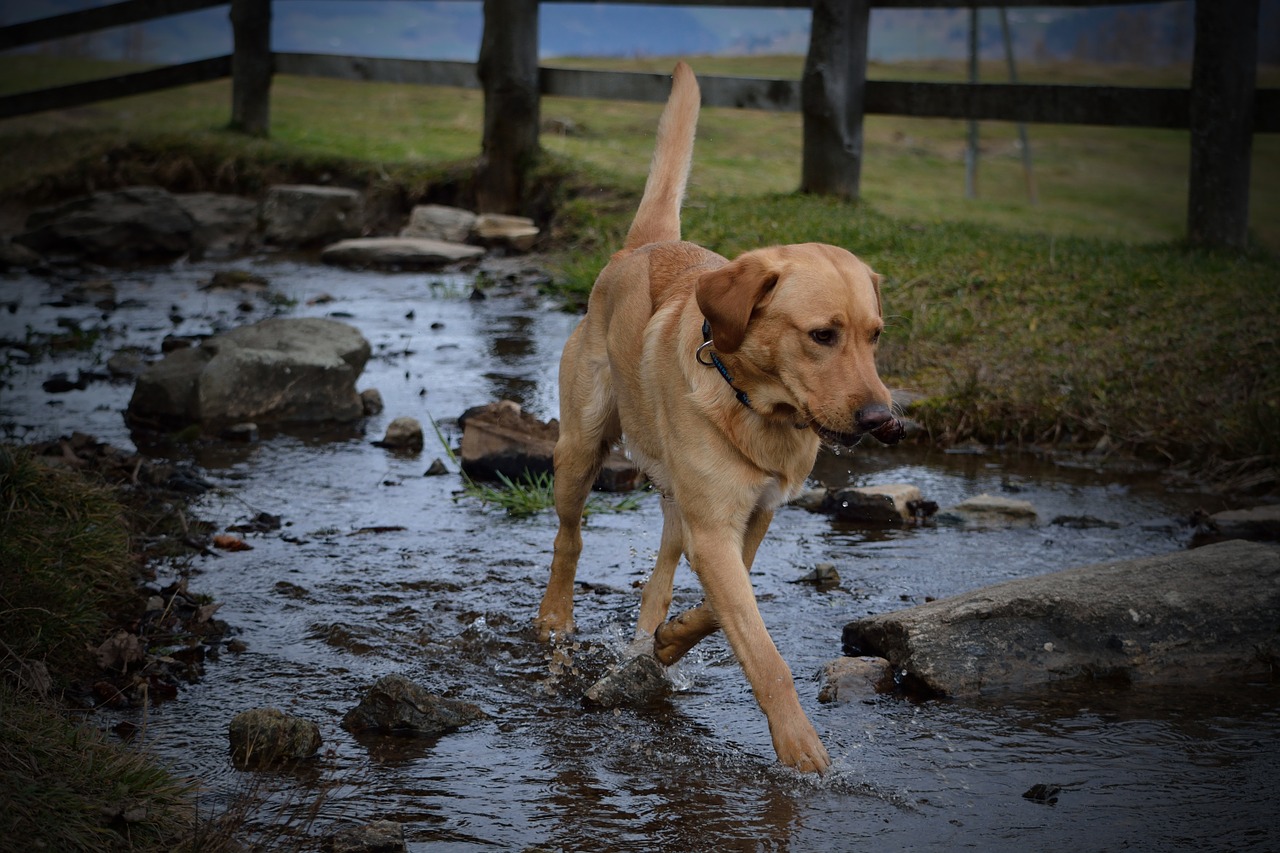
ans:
x=328 y=604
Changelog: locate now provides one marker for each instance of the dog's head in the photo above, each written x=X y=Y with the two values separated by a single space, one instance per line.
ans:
x=799 y=324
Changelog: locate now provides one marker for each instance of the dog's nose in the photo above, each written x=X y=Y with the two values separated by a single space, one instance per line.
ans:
x=881 y=423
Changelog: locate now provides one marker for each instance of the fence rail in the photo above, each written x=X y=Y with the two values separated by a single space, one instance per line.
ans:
x=1223 y=108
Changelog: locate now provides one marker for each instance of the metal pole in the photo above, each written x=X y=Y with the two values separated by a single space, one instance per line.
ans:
x=1023 y=138
x=971 y=150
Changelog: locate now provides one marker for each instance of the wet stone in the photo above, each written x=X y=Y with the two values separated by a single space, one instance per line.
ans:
x=403 y=433
x=264 y=737
x=852 y=679
x=371 y=400
x=989 y=511
x=639 y=681
x=824 y=576
x=886 y=504
x=395 y=705
x=379 y=836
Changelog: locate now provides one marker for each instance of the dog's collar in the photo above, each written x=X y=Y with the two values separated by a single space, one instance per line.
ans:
x=718 y=364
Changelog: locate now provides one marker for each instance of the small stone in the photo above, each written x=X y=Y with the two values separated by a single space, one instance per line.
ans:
x=371 y=399
x=395 y=705
x=246 y=432
x=403 y=433
x=267 y=736
x=849 y=679
x=380 y=836
x=436 y=469
x=824 y=576
x=891 y=503
x=514 y=232
x=990 y=511
x=236 y=280
x=640 y=680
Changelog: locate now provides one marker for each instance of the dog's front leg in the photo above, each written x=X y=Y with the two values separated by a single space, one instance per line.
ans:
x=718 y=563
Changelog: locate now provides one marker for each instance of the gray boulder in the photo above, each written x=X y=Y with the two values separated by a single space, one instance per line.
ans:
x=1188 y=617
x=121 y=226
x=305 y=215
x=224 y=224
x=395 y=705
x=277 y=371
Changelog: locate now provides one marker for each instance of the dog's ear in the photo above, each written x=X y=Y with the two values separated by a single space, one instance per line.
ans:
x=876 y=278
x=729 y=295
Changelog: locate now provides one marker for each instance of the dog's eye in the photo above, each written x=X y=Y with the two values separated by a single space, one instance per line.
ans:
x=826 y=337
x=875 y=337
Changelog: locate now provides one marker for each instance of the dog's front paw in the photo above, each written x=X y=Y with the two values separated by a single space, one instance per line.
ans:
x=798 y=746
x=553 y=626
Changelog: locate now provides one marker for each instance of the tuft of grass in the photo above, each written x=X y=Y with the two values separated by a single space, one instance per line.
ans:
x=68 y=788
x=67 y=561
x=531 y=494
x=527 y=495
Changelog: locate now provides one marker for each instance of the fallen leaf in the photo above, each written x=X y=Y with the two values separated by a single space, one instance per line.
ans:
x=231 y=543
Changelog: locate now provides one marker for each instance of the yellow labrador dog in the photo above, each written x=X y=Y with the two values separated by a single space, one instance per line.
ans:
x=721 y=378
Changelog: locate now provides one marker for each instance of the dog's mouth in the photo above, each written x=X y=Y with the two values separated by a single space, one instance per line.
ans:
x=890 y=432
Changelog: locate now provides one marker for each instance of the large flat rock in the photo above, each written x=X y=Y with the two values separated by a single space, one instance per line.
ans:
x=1182 y=618
x=397 y=253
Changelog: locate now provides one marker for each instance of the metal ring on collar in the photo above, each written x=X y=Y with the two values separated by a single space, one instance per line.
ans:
x=698 y=354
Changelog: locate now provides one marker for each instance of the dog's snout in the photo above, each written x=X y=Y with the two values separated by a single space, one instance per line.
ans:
x=881 y=423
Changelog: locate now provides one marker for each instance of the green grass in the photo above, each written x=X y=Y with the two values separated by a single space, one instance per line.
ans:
x=67 y=562
x=1125 y=184
x=68 y=788
x=531 y=494
x=68 y=569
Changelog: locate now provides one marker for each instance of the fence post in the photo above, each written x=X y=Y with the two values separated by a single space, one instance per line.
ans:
x=833 y=97
x=1223 y=79
x=508 y=71
x=251 y=66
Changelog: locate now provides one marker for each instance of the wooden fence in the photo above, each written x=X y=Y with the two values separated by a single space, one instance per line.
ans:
x=1222 y=108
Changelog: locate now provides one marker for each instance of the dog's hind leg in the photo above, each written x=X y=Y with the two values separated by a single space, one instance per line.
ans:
x=589 y=426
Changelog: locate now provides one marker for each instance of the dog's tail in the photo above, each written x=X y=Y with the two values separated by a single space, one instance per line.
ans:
x=658 y=217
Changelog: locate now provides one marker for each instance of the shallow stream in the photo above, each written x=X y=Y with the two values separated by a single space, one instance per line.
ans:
x=379 y=569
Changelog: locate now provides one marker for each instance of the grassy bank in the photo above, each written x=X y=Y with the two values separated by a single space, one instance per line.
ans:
x=1079 y=320
x=68 y=571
